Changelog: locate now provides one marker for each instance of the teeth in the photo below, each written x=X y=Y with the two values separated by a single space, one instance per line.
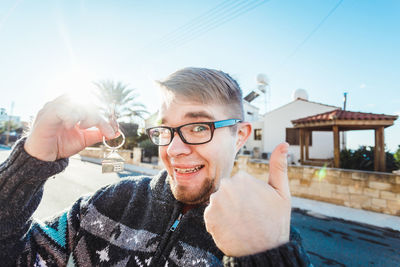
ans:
x=195 y=169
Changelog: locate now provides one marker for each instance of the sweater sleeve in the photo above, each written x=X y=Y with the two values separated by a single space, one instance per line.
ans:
x=21 y=187
x=289 y=254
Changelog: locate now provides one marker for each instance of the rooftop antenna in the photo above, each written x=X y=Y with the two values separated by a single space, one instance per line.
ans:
x=263 y=86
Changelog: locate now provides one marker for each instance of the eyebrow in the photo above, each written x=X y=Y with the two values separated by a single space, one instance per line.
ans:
x=193 y=115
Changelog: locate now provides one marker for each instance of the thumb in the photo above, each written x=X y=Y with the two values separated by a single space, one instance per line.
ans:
x=278 y=178
x=92 y=136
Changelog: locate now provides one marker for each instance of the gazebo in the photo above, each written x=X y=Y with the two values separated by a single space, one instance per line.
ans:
x=342 y=120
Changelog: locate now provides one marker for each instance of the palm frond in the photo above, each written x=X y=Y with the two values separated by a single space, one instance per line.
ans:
x=118 y=98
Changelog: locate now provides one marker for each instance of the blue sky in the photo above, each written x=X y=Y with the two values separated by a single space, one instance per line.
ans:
x=326 y=47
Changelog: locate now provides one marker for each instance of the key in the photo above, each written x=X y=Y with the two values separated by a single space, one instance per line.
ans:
x=113 y=162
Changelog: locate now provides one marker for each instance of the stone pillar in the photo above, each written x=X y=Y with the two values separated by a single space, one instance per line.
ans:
x=137 y=155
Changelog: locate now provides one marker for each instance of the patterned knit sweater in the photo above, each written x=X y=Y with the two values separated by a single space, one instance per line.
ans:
x=136 y=222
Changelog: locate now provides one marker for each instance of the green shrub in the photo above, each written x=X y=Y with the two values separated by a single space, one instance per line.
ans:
x=363 y=159
x=149 y=149
x=396 y=157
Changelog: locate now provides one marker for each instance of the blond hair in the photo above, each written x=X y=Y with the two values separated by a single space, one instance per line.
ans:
x=206 y=86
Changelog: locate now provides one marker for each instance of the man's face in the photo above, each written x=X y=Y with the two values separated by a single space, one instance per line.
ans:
x=195 y=170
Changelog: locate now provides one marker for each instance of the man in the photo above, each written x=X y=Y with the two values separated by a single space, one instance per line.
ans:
x=192 y=214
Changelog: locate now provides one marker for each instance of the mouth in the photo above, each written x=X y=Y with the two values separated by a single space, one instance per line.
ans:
x=188 y=170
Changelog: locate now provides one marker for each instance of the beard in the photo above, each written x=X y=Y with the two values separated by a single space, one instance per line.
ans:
x=182 y=193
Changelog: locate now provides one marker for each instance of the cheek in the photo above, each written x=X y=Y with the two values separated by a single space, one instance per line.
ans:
x=220 y=156
x=162 y=152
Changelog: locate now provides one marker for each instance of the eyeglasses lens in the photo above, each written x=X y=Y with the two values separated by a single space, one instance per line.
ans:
x=192 y=133
x=196 y=133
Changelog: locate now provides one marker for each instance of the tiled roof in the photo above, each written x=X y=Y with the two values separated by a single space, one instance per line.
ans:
x=339 y=114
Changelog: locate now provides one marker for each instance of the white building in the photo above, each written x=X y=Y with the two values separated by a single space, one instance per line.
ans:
x=276 y=127
x=251 y=112
x=5 y=117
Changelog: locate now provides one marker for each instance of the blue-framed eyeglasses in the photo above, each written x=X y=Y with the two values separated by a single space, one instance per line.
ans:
x=195 y=133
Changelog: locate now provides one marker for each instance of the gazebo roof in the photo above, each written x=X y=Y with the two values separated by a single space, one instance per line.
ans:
x=343 y=120
x=346 y=120
x=339 y=114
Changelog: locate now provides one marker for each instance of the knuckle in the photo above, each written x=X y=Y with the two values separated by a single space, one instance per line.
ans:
x=207 y=212
x=209 y=225
x=226 y=183
x=213 y=198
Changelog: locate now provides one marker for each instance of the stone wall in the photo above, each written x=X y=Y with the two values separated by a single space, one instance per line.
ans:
x=130 y=156
x=375 y=191
x=133 y=156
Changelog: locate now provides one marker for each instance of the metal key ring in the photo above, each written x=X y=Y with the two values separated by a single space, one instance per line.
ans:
x=115 y=147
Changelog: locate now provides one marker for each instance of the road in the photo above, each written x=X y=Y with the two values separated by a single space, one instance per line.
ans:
x=329 y=241
x=336 y=242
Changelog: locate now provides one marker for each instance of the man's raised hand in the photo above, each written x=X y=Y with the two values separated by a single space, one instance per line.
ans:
x=246 y=215
x=61 y=129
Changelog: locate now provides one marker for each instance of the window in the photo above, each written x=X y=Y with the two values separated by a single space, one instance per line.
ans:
x=293 y=137
x=257 y=134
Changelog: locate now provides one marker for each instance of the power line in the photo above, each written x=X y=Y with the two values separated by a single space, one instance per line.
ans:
x=197 y=19
x=213 y=18
x=314 y=30
x=9 y=12
x=237 y=5
x=240 y=10
x=192 y=23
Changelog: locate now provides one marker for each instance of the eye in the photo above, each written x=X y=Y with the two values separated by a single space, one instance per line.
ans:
x=199 y=128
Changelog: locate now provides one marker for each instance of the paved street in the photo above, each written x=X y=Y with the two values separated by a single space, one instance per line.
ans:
x=335 y=242
x=78 y=179
x=329 y=241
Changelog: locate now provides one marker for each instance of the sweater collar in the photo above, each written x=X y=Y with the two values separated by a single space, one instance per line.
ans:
x=160 y=188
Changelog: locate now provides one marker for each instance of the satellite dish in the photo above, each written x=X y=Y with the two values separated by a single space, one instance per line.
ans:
x=262 y=79
x=300 y=93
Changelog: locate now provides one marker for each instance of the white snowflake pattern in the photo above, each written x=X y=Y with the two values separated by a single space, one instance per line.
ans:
x=103 y=254
x=138 y=261
x=148 y=261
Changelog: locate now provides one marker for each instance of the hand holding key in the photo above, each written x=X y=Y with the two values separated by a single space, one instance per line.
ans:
x=61 y=129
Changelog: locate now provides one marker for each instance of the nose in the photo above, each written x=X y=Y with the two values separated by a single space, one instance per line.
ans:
x=177 y=147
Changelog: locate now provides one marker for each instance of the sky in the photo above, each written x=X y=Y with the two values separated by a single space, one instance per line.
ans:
x=326 y=47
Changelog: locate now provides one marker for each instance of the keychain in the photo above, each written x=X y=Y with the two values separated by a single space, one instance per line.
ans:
x=113 y=162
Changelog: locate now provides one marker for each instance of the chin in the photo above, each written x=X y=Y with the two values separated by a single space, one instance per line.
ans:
x=193 y=196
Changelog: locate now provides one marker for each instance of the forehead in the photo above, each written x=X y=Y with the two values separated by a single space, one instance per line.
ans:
x=180 y=111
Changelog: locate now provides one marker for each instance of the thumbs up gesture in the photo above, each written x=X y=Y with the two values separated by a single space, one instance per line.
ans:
x=246 y=215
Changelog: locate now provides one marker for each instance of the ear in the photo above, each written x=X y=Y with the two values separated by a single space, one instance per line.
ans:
x=244 y=131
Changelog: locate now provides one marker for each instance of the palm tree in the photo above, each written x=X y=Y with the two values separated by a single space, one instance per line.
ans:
x=119 y=100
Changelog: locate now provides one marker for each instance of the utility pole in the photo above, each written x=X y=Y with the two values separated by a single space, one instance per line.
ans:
x=9 y=123
x=343 y=132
